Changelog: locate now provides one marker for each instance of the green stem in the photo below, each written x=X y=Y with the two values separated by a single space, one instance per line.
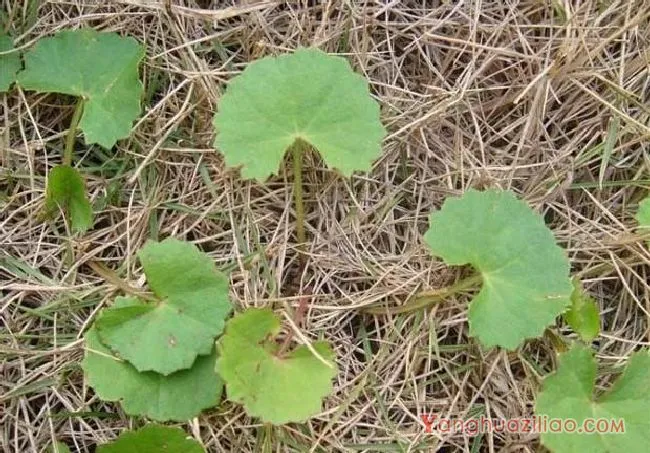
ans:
x=72 y=132
x=296 y=150
x=425 y=299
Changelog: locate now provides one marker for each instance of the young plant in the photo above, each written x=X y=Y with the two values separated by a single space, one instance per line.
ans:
x=101 y=69
x=292 y=102
x=523 y=273
x=172 y=334
x=568 y=395
x=9 y=63
x=272 y=384
x=153 y=438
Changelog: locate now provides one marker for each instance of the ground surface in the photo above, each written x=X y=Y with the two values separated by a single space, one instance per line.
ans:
x=546 y=98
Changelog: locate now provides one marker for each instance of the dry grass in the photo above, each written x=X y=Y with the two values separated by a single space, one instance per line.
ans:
x=518 y=95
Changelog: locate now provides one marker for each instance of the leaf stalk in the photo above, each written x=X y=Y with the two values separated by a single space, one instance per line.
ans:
x=72 y=132
x=425 y=299
x=297 y=152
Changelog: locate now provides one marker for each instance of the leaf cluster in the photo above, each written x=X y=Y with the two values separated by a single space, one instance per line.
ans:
x=157 y=356
x=101 y=70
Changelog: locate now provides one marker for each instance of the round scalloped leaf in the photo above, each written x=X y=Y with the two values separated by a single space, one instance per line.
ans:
x=9 y=63
x=568 y=394
x=102 y=68
x=153 y=438
x=179 y=396
x=525 y=273
x=277 y=389
x=306 y=95
x=66 y=191
x=168 y=335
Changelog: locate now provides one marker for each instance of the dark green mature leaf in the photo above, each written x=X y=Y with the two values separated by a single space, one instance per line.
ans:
x=179 y=396
x=583 y=316
x=100 y=67
x=167 y=336
x=568 y=394
x=278 y=388
x=66 y=191
x=306 y=95
x=525 y=274
x=153 y=439
x=9 y=63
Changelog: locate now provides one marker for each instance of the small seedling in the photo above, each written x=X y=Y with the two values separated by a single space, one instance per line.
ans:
x=524 y=273
x=101 y=69
x=66 y=191
x=568 y=395
x=643 y=217
x=292 y=102
x=9 y=63
x=153 y=438
x=583 y=316
x=276 y=386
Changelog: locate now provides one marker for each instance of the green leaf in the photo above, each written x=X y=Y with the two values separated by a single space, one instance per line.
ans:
x=179 y=396
x=9 y=63
x=100 y=67
x=643 y=217
x=153 y=439
x=168 y=335
x=66 y=191
x=569 y=394
x=58 y=447
x=277 y=387
x=525 y=274
x=306 y=95
x=583 y=316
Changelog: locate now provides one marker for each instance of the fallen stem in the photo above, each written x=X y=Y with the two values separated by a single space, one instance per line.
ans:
x=426 y=299
x=111 y=277
x=72 y=132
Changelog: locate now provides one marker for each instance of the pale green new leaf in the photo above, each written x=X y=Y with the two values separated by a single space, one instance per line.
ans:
x=525 y=273
x=9 y=63
x=100 y=67
x=643 y=217
x=153 y=438
x=278 y=388
x=179 y=396
x=168 y=335
x=569 y=394
x=306 y=95
x=583 y=316
x=66 y=191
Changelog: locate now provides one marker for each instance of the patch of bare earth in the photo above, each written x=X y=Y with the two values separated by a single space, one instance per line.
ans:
x=549 y=99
